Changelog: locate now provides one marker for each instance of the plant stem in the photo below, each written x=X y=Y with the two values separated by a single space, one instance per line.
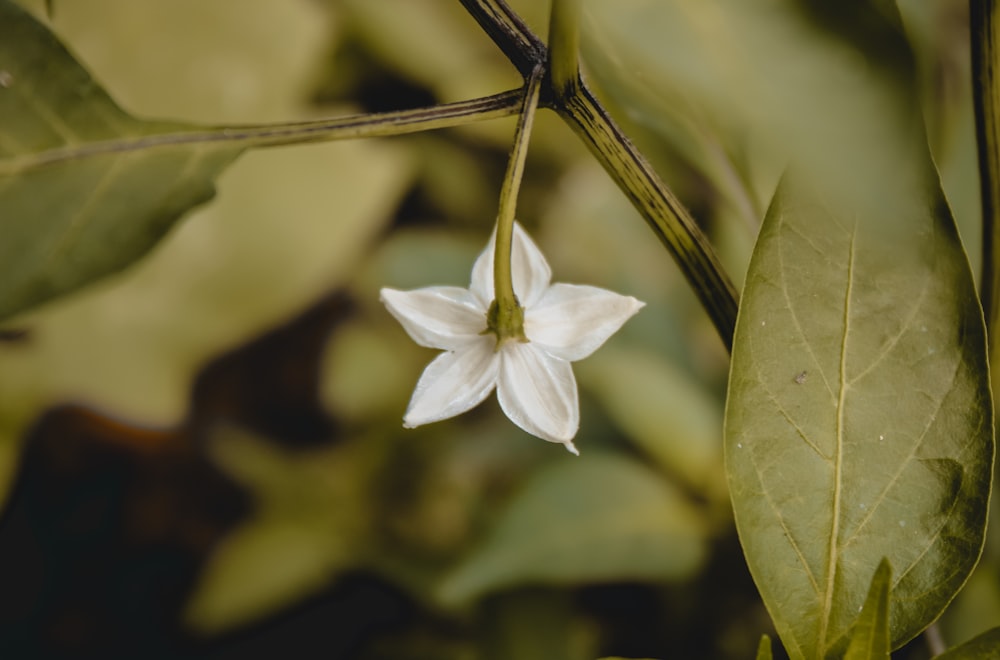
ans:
x=564 y=47
x=507 y=316
x=983 y=17
x=383 y=124
x=668 y=218
x=519 y=44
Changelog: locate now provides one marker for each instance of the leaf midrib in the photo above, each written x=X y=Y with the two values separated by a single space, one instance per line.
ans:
x=833 y=547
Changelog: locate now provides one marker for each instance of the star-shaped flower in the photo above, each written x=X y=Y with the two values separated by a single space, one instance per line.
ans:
x=533 y=378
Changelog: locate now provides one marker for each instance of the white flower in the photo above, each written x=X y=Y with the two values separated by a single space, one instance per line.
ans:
x=534 y=380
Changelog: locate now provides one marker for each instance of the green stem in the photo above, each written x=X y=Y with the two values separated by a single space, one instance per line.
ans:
x=506 y=314
x=280 y=134
x=986 y=94
x=564 y=46
x=665 y=214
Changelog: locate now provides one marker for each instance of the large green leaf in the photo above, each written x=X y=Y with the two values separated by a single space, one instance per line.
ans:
x=597 y=518
x=85 y=189
x=859 y=419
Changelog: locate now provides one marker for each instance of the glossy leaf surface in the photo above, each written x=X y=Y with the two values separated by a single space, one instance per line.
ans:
x=859 y=420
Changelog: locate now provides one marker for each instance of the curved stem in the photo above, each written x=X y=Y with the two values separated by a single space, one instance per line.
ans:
x=383 y=124
x=507 y=315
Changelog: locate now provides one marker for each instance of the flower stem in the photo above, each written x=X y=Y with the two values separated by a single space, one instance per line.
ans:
x=506 y=314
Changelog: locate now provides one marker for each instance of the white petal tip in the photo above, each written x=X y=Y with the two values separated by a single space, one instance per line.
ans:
x=571 y=448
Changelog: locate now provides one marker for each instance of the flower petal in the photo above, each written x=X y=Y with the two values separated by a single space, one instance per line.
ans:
x=528 y=268
x=446 y=317
x=454 y=382
x=538 y=393
x=571 y=321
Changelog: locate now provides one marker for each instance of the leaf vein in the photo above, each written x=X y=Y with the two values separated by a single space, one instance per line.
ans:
x=838 y=463
x=784 y=528
x=904 y=326
x=49 y=116
x=906 y=461
x=791 y=309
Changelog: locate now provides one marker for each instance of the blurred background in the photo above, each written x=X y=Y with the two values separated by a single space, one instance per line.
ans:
x=203 y=457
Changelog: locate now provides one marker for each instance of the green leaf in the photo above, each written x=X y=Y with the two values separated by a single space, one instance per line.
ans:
x=983 y=647
x=78 y=199
x=859 y=418
x=677 y=423
x=870 y=639
x=597 y=518
x=764 y=648
x=307 y=526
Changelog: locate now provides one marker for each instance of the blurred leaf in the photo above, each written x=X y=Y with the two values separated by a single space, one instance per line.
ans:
x=740 y=88
x=78 y=198
x=308 y=525
x=983 y=647
x=598 y=518
x=456 y=60
x=764 y=648
x=977 y=607
x=258 y=64
x=859 y=420
x=939 y=33
x=367 y=376
x=288 y=226
x=414 y=258
x=530 y=624
x=663 y=411
x=86 y=189
x=870 y=637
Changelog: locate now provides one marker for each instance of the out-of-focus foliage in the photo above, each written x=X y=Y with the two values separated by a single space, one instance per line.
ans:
x=606 y=518
x=382 y=520
x=982 y=647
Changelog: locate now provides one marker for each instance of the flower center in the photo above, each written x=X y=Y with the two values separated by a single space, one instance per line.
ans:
x=506 y=321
